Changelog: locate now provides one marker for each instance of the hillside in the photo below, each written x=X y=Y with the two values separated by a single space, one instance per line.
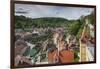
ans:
x=70 y=26
x=24 y=22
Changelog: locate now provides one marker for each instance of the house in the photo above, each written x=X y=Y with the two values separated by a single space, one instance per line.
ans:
x=86 y=44
x=53 y=57
x=64 y=56
x=21 y=54
x=20 y=47
x=35 y=32
x=61 y=54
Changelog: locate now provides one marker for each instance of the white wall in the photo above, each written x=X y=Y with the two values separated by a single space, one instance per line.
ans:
x=5 y=34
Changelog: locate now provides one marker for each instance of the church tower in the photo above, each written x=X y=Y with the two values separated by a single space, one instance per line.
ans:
x=83 y=43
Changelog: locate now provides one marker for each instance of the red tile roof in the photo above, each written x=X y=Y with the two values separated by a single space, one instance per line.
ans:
x=65 y=56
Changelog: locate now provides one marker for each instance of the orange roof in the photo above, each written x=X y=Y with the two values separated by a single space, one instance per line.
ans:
x=65 y=56
x=52 y=56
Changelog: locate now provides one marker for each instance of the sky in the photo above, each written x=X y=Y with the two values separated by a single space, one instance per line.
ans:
x=38 y=11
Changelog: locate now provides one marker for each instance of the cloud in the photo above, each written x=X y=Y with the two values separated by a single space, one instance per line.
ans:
x=37 y=11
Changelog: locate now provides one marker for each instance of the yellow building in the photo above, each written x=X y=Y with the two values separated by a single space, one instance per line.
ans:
x=83 y=44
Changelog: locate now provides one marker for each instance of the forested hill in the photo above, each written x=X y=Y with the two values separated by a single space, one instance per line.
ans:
x=24 y=22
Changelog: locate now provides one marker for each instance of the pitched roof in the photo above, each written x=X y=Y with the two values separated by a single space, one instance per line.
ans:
x=65 y=56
